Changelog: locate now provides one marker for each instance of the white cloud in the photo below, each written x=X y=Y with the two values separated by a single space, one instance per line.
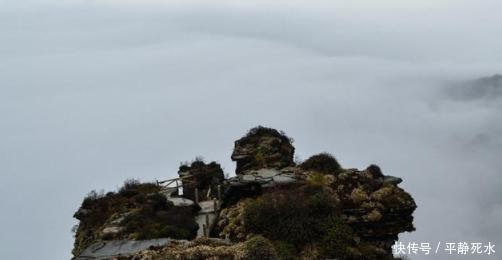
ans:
x=93 y=93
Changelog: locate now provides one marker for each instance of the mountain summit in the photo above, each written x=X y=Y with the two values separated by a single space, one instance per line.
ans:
x=274 y=208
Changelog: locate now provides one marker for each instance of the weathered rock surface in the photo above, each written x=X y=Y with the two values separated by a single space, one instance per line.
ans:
x=201 y=176
x=209 y=248
x=136 y=212
x=272 y=209
x=120 y=248
x=263 y=148
x=370 y=203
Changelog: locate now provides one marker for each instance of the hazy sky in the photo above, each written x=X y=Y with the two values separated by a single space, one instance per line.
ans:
x=95 y=92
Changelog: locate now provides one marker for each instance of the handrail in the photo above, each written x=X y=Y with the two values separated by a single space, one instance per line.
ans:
x=180 y=178
x=174 y=179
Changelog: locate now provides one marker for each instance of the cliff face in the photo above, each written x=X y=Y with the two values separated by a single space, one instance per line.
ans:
x=136 y=212
x=272 y=209
x=263 y=148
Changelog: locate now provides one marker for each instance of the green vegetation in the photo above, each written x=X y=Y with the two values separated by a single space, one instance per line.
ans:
x=297 y=219
x=263 y=147
x=319 y=180
x=285 y=251
x=336 y=238
x=204 y=177
x=324 y=212
x=157 y=217
x=280 y=216
x=375 y=171
x=138 y=211
x=255 y=134
x=259 y=247
x=323 y=162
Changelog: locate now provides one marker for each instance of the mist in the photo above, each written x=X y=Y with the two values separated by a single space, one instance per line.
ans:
x=93 y=93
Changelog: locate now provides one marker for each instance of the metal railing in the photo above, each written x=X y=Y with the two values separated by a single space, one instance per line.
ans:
x=178 y=182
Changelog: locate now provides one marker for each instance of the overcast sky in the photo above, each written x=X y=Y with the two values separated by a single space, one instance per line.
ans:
x=96 y=92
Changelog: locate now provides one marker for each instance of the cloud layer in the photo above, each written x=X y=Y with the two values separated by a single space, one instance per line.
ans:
x=92 y=93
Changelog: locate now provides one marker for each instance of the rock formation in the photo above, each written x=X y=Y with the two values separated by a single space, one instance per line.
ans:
x=272 y=209
x=138 y=211
x=263 y=148
x=205 y=178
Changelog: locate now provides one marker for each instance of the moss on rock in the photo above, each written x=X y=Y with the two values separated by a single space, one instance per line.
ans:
x=136 y=211
x=263 y=147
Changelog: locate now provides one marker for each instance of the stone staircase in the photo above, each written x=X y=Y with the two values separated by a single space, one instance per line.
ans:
x=208 y=214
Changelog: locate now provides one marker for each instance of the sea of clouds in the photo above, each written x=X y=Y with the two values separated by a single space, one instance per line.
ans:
x=96 y=92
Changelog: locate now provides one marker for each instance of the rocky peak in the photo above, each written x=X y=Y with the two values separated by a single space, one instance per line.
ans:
x=272 y=209
x=263 y=147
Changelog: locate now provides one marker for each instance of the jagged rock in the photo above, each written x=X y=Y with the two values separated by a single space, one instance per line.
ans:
x=230 y=224
x=370 y=203
x=81 y=213
x=392 y=180
x=120 y=248
x=380 y=211
x=136 y=211
x=264 y=177
x=202 y=176
x=315 y=210
x=263 y=148
x=111 y=231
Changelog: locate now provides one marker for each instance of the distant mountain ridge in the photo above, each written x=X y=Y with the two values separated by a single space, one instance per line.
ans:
x=481 y=88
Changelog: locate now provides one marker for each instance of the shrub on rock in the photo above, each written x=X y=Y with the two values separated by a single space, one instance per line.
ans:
x=290 y=216
x=136 y=211
x=285 y=251
x=204 y=177
x=259 y=247
x=337 y=238
x=375 y=171
x=323 y=162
